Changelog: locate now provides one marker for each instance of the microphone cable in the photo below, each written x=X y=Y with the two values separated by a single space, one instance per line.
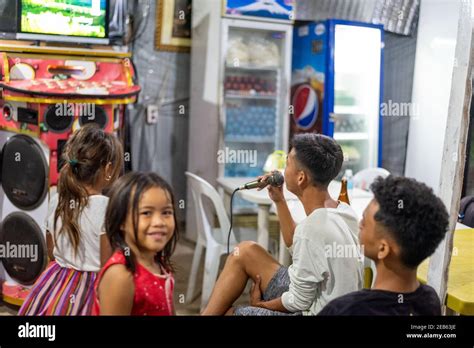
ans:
x=231 y=220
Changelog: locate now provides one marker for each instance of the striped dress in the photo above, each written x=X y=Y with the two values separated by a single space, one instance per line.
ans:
x=61 y=291
x=66 y=287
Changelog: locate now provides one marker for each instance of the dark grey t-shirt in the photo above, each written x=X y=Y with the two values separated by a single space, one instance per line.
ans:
x=423 y=301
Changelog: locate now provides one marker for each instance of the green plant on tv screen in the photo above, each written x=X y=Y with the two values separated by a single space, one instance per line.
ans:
x=73 y=17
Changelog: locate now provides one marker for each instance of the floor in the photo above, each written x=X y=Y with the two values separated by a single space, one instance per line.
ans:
x=182 y=259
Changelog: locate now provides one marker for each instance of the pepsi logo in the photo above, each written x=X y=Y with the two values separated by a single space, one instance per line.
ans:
x=319 y=29
x=306 y=107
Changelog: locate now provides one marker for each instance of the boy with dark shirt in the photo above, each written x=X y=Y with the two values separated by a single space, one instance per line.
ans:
x=401 y=227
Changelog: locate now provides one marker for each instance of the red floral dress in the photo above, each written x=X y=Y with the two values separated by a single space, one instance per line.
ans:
x=153 y=293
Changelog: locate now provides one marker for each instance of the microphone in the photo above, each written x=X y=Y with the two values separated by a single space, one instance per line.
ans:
x=275 y=179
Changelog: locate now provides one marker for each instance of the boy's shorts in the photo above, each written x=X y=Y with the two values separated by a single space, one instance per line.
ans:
x=279 y=284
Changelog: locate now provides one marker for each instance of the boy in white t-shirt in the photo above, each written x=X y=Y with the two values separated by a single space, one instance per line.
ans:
x=319 y=272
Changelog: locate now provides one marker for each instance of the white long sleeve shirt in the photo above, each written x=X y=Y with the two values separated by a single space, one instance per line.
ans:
x=327 y=260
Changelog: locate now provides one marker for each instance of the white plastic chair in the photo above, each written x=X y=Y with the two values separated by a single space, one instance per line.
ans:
x=369 y=264
x=364 y=178
x=213 y=239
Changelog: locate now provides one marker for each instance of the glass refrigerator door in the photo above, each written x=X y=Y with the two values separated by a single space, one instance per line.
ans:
x=357 y=67
x=254 y=62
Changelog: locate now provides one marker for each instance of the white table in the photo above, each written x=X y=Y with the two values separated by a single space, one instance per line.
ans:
x=460 y=226
x=359 y=200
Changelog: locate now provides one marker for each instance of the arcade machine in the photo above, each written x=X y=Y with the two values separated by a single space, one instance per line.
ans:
x=46 y=94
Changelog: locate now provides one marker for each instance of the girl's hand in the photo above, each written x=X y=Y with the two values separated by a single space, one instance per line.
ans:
x=275 y=193
x=256 y=293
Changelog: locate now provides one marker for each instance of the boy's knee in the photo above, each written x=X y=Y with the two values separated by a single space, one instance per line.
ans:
x=243 y=250
x=247 y=248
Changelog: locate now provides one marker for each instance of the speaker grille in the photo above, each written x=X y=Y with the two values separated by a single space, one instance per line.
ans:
x=99 y=116
x=26 y=253
x=56 y=121
x=24 y=172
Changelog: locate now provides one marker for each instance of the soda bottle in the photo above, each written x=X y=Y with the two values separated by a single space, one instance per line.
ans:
x=265 y=86
x=228 y=83
x=258 y=85
x=235 y=83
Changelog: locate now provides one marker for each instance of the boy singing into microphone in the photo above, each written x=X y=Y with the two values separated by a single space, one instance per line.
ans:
x=315 y=276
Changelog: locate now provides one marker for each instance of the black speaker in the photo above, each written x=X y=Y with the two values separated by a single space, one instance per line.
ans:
x=24 y=172
x=24 y=164
x=20 y=231
x=57 y=123
x=100 y=117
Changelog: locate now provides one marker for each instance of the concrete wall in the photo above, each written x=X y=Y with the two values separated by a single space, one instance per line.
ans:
x=435 y=52
x=165 y=79
x=399 y=64
x=204 y=113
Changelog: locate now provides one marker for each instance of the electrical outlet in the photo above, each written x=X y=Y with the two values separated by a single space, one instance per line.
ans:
x=152 y=114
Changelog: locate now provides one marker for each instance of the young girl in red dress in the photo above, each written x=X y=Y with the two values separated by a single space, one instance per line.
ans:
x=141 y=226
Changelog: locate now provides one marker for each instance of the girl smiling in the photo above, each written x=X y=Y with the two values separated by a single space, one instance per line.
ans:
x=141 y=226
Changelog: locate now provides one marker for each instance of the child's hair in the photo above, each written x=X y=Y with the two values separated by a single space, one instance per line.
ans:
x=415 y=217
x=320 y=155
x=85 y=154
x=125 y=197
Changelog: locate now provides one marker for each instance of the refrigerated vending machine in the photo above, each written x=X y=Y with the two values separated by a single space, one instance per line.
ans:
x=336 y=87
x=240 y=88
x=254 y=91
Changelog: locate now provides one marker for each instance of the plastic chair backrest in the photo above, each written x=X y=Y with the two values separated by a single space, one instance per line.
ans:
x=369 y=272
x=200 y=188
x=364 y=178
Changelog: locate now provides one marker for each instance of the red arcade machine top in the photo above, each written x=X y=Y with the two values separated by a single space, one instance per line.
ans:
x=48 y=93
x=39 y=78
x=66 y=77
